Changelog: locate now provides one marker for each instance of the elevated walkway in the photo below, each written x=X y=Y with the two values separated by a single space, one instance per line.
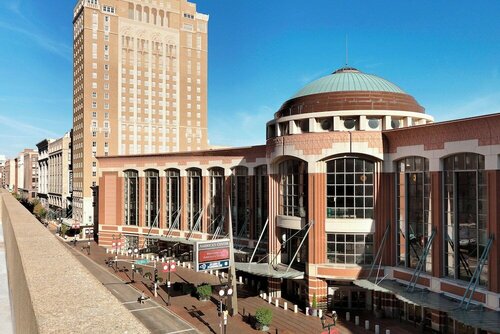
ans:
x=50 y=290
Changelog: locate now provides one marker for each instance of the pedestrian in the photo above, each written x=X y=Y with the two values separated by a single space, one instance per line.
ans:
x=334 y=317
x=142 y=298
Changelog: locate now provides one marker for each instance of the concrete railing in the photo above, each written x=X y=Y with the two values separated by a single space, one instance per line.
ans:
x=50 y=290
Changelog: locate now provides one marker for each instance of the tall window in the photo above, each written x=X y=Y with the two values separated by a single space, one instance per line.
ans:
x=239 y=201
x=293 y=188
x=413 y=211
x=173 y=196
x=349 y=188
x=216 y=199
x=131 y=197
x=465 y=220
x=152 y=197
x=261 y=200
x=345 y=248
x=194 y=198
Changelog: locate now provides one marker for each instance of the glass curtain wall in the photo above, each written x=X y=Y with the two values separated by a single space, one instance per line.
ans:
x=194 y=198
x=172 y=198
x=131 y=197
x=240 y=213
x=349 y=188
x=293 y=188
x=413 y=211
x=465 y=220
x=152 y=197
x=216 y=199
x=261 y=200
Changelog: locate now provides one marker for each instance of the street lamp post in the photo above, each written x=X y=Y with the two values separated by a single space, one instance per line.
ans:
x=116 y=243
x=225 y=291
x=89 y=232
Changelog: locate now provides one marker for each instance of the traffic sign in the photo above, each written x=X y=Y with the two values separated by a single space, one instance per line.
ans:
x=168 y=266
x=142 y=261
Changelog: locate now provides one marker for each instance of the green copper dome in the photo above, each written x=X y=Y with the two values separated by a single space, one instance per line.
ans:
x=348 y=79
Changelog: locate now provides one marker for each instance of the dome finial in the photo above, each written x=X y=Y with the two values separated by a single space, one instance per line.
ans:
x=346 y=51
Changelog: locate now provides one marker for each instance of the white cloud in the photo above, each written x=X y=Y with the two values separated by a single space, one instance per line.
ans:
x=16 y=135
x=34 y=32
x=242 y=128
x=481 y=105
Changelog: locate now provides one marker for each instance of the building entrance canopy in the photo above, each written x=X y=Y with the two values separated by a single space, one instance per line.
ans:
x=477 y=318
x=266 y=270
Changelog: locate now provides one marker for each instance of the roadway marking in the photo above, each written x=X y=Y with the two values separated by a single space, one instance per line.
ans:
x=181 y=331
x=146 y=308
x=131 y=302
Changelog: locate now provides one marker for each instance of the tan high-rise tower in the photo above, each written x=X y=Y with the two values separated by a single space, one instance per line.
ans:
x=139 y=84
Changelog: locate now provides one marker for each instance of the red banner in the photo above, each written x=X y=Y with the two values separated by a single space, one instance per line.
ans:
x=208 y=255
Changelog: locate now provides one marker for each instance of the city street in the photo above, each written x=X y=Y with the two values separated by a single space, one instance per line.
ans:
x=156 y=318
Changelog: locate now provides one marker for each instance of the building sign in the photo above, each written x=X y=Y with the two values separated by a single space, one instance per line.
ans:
x=213 y=254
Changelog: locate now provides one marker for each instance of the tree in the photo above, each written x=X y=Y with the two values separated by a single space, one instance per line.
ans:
x=39 y=211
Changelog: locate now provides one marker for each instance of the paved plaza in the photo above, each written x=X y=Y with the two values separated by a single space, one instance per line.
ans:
x=186 y=314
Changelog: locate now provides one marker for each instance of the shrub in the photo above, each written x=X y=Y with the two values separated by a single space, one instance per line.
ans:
x=64 y=230
x=314 y=303
x=204 y=290
x=264 y=316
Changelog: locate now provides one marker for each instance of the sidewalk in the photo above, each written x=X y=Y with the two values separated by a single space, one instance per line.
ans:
x=204 y=316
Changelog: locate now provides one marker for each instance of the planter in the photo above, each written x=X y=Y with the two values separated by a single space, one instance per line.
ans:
x=313 y=312
x=261 y=327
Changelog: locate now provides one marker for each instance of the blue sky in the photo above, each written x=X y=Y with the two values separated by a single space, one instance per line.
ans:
x=444 y=53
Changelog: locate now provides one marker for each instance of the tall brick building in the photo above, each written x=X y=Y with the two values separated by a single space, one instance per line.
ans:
x=140 y=84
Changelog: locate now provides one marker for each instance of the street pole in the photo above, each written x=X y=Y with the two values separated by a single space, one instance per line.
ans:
x=155 y=276
x=233 y=301
x=168 y=283
x=133 y=271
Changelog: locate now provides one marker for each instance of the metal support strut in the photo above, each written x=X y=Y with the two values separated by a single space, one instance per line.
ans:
x=421 y=263
x=474 y=281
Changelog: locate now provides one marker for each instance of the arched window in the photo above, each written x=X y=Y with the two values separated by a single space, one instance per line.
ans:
x=173 y=202
x=131 y=197
x=216 y=200
x=239 y=201
x=152 y=197
x=349 y=188
x=465 y=215
x=261 y=201
x=194 y=198
x=293 y=187
x=413 y=211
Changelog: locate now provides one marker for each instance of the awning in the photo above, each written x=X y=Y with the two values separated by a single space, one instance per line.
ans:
x=266 y=270
x=174 y=239
x=479 y=318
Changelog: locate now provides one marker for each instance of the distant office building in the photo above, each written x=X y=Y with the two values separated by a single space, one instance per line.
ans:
x=2 y=171
x=30 y=174
x=140 y=84
x=43 y=171
x=59 y=167
x=362 y=202
x=10 y=174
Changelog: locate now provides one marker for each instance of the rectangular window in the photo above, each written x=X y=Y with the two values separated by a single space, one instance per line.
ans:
x=349 y=185
x=349 y=248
